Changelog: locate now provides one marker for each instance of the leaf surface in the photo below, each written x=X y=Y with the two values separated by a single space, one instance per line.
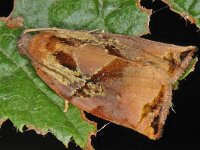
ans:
x=117 y=16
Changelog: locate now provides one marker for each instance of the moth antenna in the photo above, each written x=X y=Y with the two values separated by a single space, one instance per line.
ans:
x=156 y=11
x=41 y=29
x=95 y=30
x=103 y=127
x=173 y=109
x=186 y=18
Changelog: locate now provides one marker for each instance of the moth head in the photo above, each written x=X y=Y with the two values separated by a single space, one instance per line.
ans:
x=22 y=43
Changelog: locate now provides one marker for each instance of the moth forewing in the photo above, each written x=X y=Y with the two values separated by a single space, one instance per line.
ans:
x=124 y=79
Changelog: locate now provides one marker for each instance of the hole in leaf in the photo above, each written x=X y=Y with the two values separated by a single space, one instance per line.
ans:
x=169 y=27
x=6 y=7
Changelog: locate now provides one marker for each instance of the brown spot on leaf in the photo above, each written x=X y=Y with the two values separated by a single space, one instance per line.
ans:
x=13 y=22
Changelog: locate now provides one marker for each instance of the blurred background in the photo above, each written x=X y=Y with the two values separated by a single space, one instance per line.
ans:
x=182 y=128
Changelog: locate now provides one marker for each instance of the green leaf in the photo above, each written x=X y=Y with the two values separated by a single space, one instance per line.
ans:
x=117 y=16
x=189 y=69
x=190 y=9
x=26 y=100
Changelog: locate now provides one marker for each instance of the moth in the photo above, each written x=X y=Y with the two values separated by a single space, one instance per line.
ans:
x=123 y=79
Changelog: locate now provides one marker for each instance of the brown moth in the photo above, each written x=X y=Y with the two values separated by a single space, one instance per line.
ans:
x=124 y=79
